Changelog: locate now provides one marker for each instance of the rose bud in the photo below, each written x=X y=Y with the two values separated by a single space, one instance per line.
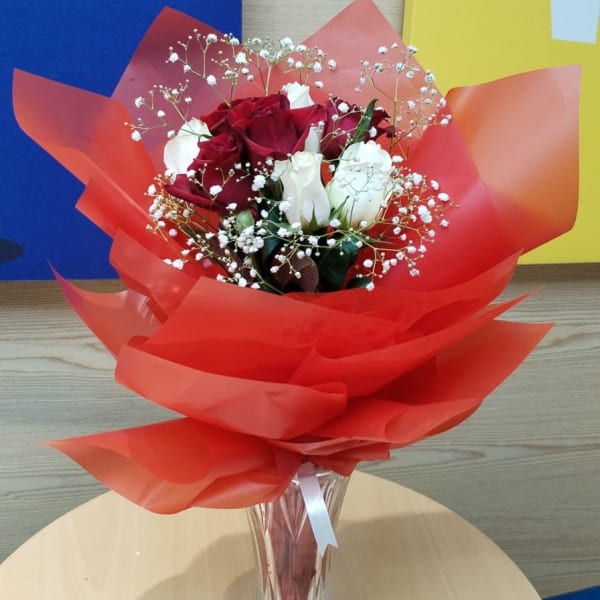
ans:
x=305 y=200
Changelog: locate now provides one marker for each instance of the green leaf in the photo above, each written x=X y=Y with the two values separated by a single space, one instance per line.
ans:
x=334 y=266
x=271 y=224
x=362 y=129
x=269 y=247
x=244 y=219
x=341 y=213
x=358 y=282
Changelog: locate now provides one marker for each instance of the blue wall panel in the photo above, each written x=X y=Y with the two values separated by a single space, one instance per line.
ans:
x=86 y=44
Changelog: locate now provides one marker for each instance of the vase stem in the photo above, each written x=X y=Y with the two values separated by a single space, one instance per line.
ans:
x=290 y=566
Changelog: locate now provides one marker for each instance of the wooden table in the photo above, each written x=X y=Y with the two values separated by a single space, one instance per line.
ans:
x=394 y=544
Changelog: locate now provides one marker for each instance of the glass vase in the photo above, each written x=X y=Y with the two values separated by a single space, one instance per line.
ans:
x=289 y=565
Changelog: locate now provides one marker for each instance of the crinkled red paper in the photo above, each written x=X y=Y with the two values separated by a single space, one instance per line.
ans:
x=262 y=381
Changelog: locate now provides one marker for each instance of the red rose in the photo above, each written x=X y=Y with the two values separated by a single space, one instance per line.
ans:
x=215 y=165
x=266 y=125
x=341 y=124
x=248 y=130
x=280 y=133
x=226 y=118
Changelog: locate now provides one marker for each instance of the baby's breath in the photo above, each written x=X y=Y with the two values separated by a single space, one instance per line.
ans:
x=249 y=239
x=410 y=116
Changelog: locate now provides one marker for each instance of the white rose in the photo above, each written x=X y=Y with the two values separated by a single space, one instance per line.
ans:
x=180 y=151
x=361 y=184
x=297 y=94
x=305 y=200
x=313 y=140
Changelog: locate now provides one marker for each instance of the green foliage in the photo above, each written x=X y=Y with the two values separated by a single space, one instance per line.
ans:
x=334 y=265
x=362 y=130
x=244 y=219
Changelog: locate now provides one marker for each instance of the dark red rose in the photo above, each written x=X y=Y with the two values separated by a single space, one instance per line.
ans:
x=235 y=116
x=280 y=133
x=341 y=125
x=248 y=130
x=248 y=109
x=215 y=165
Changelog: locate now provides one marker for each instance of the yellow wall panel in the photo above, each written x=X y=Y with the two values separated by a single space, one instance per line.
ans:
x=470 y=41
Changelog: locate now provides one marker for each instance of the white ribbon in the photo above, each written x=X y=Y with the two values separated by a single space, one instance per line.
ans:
x=316 y=508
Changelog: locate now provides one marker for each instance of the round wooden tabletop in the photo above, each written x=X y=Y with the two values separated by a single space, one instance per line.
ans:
x=394 y=544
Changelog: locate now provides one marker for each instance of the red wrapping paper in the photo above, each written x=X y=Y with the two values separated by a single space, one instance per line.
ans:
x=263 y=382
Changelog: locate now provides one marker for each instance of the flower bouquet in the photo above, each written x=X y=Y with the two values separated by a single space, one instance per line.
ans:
x=311 y=238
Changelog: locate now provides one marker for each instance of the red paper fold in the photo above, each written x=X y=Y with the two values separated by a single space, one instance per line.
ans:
x=264 y=382
x=510 y=159
x=168 y=466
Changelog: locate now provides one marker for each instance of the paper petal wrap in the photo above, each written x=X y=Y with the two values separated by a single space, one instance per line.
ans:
x=264 y=382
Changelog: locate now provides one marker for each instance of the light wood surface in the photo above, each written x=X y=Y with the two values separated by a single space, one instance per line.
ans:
x=395 y=544
x=298 y=20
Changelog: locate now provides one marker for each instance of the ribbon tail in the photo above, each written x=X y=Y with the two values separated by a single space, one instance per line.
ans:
x=318 y=515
